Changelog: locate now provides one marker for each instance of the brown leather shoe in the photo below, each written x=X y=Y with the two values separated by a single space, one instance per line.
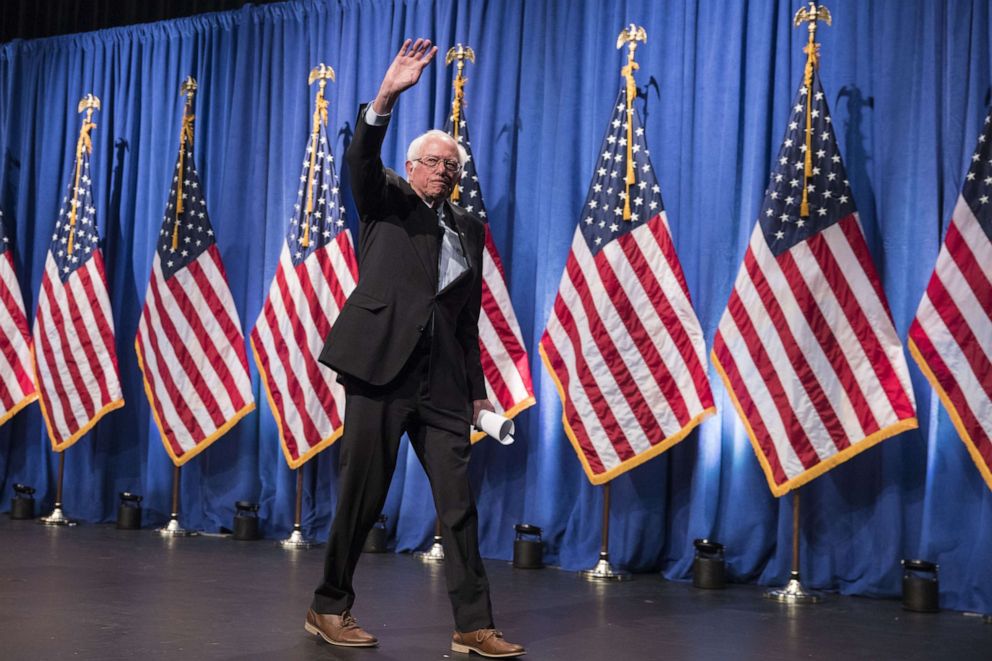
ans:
x=487 y=642
x=340 y=629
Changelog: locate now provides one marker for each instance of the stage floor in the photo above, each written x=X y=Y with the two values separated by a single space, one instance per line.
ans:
x=95 y=592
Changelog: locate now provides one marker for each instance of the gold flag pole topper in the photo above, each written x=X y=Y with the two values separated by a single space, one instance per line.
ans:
x=810 y=15
x=188 y=89
x=458 y=54
x=630 y=36
x=321 y=73
x=89 y=103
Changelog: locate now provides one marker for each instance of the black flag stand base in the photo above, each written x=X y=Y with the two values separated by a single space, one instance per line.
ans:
x=794 y=592
x=604 y=572
x=296 y=540
x=173 y=529
x=436 y=552
x=57 y=517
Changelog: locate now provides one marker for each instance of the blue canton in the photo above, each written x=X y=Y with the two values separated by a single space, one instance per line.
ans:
x=84 y=233
x=470 y=195
x=602 y=215
x=978 y=182
x=327 y=217
x=191 y=224
x=828 y=190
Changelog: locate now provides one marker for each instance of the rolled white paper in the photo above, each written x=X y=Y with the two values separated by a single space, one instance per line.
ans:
x=496 y=426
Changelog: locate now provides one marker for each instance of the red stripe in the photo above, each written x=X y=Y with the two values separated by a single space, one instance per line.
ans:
x=665 y=310
x=88 y=350
x=827 y=340
x=311 y=298
x=316 y=386
x=494 y=254
x=231 y=327
x=980 y=440
x=495 y=379
x=850 y=304
x=617 y=435
x=275 y=393
x=295 y=391
x=13 y=302
x=331 y=278
x=21 y=370
x=961 y=252
x=660 y=232
x=575 y=423
x=794 y=432
x=504 y=332
x=750 y=408
x=187 y=362
x=856 y=238
x=57 y=385
x=347 y=251
x=962 y=334
x=167 y=431
x=105 y=325
x=668 y=384
x=66 y=355
x=7 y=398
x=190 y=312
x=822 y=405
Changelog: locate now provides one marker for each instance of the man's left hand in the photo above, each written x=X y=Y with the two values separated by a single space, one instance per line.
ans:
x=480 y=405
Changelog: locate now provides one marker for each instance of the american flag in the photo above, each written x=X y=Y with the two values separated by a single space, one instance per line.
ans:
x=75 y=359
x=505 y=363
x=806 y=346
x=623 y=343
x=951 y=336
x=16 y=362
x=189 y=343
x=317 y=271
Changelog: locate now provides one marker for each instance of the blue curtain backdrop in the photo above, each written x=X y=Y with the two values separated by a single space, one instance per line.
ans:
x=908 y=84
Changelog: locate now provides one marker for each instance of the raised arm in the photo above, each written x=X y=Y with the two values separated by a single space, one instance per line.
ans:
x=403 y=73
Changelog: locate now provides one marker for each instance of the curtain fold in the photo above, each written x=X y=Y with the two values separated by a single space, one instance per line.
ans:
x=908 y=85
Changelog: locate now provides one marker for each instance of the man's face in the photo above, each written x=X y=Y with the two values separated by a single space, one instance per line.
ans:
x=433 y=183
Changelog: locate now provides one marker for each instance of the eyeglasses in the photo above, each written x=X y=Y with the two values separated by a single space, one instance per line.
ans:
x=433 y=161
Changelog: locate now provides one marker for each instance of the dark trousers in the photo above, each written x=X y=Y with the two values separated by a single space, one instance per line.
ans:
x=375 y=420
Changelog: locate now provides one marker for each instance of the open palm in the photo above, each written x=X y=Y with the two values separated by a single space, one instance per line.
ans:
x=409 y=63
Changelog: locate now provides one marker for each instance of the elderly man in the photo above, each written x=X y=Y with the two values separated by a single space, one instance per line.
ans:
x=406 y=349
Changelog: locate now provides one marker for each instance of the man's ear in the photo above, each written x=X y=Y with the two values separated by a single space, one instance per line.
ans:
x=409 y=168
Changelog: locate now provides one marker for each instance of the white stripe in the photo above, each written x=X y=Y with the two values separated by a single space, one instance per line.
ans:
x=846 y=340
x=503 y=363
x=189 y=342
x=812 y=352
x=577 y=395
x=797 y=399
x=230 y=354
x=497 y=287
x=757 y=391
x=8 y=380
x=285 y=315
x=972 y=233
x=9 y=280
x=102 y=294
x=314 y=339
x=964 y=299
x=688 y=323
x=170 y=416
x=44 y=326
x=99 y=352
x=957 y=364
x=629 y=426
x=879 y=322
x=172 y=365
x=73 y=351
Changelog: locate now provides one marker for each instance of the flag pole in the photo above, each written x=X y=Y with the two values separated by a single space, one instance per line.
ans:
x=604 y=571
x=794 y=592
x=173 y=529
x=296 y=540
x=456 y=54
x=57 y=517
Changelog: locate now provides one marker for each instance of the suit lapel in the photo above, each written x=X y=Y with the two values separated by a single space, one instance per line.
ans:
x=423 y=234
x=459 y=222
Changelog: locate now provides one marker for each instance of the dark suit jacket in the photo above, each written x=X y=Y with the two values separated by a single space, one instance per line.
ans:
x=383 y=319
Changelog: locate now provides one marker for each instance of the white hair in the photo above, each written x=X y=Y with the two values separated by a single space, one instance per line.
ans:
x=413 y=151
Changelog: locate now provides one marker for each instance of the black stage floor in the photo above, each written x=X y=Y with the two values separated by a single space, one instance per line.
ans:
x=94 y=592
